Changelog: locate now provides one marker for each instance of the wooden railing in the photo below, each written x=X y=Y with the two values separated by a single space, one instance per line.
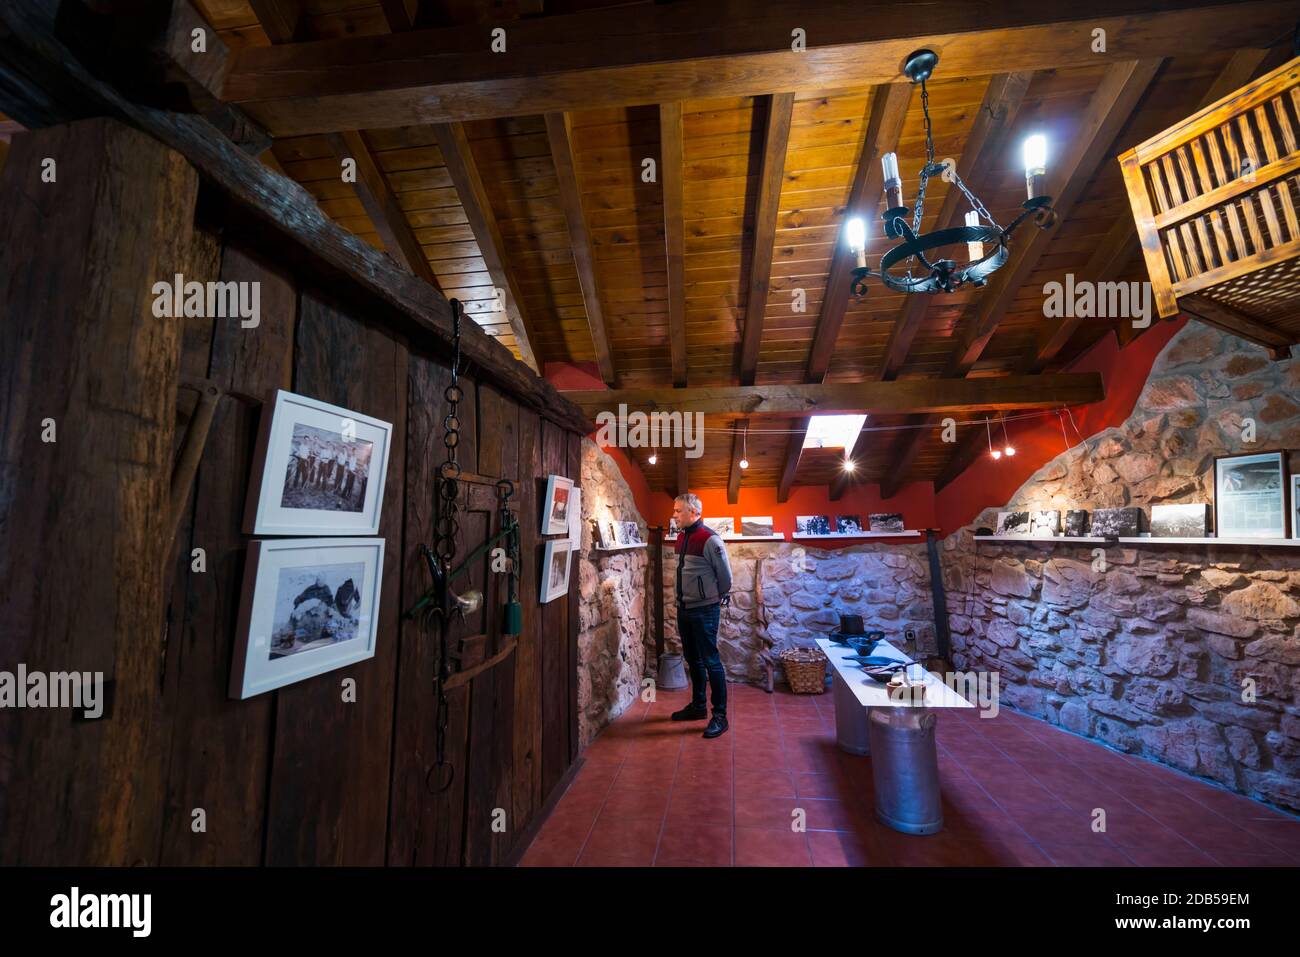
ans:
x=1215 y=200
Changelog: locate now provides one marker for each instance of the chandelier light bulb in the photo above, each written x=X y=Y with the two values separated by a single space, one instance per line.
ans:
x=1035 y=154
x=857 y=236
x=974 y=250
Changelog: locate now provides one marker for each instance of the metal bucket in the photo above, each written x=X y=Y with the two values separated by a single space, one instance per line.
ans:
x=905 y=768
x=672 y=673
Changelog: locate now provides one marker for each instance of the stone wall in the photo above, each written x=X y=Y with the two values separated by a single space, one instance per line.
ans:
x=1155 y=651
x=613 y=610
x=804 y=590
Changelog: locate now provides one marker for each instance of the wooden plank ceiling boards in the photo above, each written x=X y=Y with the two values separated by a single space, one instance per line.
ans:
x=658 y=191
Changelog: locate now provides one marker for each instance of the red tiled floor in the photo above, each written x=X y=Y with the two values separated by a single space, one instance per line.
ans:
x=777 y=791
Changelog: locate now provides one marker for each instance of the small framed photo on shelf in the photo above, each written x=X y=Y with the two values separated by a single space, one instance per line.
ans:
x=310 y=605
x=631 y=533
x=885 y=521
x=605 y=534
x=723 y=526
x=555 y=506
x=812 y=525
x=319 y=469
x=555 y=568
x=1295 y=506
x=1250 y=495
x=848 y=524
x=756 y=525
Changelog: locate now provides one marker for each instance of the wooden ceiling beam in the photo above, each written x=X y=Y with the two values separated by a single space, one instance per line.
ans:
x=1120 y=247
x=458 y=156
x=737 y=452
x=983 y=148
x=559 y=132
x=401 y=15
x=1108 y=110
x=672 y=171
x=382 y=207
x=888 y=398
x=776 y=137
x=790 y=461
x=880 y=134
x=1239 y=324
x=655 y=53
x=280 y=20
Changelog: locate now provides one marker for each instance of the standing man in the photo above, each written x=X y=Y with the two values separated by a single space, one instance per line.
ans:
x=703 y=584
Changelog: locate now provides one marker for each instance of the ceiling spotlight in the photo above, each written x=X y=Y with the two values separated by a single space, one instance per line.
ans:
x=849 y=464
x=988 y=430
x=996 y=453
x=744 y=463
x=654 y=457
x=1010 y=449
x=744 y=454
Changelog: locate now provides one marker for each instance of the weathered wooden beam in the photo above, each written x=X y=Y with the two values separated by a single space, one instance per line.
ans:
x=1117 y=250
x=880 y=136
x=559 y=132
x=983 y=148
x=43 y=82
x=737 y=451
x=776 y=137
x=459 y=157
x=657 y=53
x=1237 y=323
x=281 y=20
x=672 y=171
x=790 y=461
x=903 y=395
x=382 y=207
x=401 y=15
x=1108 y=110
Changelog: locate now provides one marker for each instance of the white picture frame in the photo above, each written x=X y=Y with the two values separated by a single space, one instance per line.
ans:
x=575 y=516
x=556 y=561
x=299 y=439
x=279 y=615
x=555 y=505
x=1250 y=495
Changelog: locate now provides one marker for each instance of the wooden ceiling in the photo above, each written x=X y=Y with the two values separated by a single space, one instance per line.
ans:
x=687 y=273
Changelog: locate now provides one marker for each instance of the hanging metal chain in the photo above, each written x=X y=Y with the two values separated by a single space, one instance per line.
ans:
x=929 y=160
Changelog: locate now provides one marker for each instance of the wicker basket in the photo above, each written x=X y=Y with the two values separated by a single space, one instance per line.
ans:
x=805 y=669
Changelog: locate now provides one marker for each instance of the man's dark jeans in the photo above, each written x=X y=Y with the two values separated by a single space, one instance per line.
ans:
x=698 y=628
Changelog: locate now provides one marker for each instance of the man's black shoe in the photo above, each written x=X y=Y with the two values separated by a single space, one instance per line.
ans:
x=691 y=713
x=717 y=725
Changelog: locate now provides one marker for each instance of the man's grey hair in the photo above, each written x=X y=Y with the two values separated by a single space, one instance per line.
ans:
x=691 y=501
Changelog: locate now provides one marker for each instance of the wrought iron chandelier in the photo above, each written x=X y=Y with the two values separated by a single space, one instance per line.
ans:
x=944 y=275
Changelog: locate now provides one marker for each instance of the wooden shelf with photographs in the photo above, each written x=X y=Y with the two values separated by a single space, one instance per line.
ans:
x=622 y=548
x=1142 y=540
x=843 y=536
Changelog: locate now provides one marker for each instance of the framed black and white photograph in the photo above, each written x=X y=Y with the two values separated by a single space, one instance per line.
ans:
x=631 y=533
x=885 y=521
x=1250 y=495
x=310 y=605
x=1295 y=506
x=848 y=524
x=1125 y=522
x=1013 y=523
x=319 y=470
x=555 y=568
x=1045 y=523
x=605 y=534
x=1076 y=522
x=756 y=525
x=723 y=526
x=1180 y=521
x=812 y=525
x=555 y=505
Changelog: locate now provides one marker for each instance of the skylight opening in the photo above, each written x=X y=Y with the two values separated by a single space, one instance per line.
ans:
x=833 y=431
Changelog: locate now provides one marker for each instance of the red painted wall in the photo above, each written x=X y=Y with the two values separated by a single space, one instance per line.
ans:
x=986 y=483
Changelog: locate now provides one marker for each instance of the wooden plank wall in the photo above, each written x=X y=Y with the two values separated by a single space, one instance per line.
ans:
x=298 y=775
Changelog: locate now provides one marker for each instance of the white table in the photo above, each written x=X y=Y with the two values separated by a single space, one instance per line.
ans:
x=854 y=692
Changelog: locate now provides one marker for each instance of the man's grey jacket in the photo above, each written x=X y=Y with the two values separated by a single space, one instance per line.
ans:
x=703 y=571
